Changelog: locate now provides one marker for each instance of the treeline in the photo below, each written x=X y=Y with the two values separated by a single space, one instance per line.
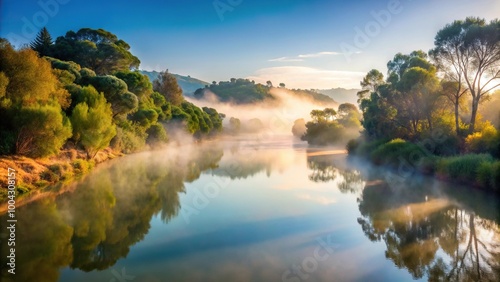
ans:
x=80 y=90
x=245 y=91
x=433 y=99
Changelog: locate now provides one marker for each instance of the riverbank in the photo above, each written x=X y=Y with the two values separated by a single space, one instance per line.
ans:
x=36 y=174
x=405 y=158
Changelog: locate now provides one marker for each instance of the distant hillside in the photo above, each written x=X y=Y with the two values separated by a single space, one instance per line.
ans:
x=239 y=91
x=341 y=95
x=244 y=91
x=187 y=83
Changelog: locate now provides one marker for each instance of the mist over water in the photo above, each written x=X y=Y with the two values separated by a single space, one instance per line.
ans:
x=276 y=115
x=245 y=208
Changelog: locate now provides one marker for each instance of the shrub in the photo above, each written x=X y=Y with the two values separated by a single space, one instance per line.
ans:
x=366 y=148
x=156 y=134
x=42 y=131
x=488 y=175
x=128 y=139
x=323 y=133
x=49 y=176
x=81 y=166
x=464 y=168
x=485 y=141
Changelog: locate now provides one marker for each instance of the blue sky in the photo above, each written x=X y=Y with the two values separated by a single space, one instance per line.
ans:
x=303 y=43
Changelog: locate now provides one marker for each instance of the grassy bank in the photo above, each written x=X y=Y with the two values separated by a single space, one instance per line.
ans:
x=34 y=174
x=478 y=170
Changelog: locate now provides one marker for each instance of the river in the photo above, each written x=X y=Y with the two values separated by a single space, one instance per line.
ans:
x=252 y=210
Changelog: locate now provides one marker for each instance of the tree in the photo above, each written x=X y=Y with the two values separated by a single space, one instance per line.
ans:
x=454 y=91
x=166 y=84
x=92 y=122
x=137 y=83
x=42 y=43
x=30 y=78
x=42 y=130
x=406 y=103
x=215 y=117
x=318 y=116
x=469 y=51
x=349 y=116
x=324 y=129
x=97 y=49
x=116 y=92
x=282 y=85
x=329 y=114
x=269 y=84
x=370 y=83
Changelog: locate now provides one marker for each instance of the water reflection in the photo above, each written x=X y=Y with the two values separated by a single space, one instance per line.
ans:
x=279 y=201
x=245 y=162
x=325 y=167
x=430 y=233
x=94 y=226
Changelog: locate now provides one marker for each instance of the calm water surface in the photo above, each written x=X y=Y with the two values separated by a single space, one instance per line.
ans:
x=256 y=211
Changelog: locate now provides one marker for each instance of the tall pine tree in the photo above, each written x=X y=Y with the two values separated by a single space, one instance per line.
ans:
x=42 y=43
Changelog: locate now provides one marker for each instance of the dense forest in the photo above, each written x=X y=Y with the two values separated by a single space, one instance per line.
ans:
x=437 y=112
x=80 y=91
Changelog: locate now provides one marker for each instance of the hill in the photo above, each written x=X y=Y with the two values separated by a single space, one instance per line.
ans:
x=244 y=91
x=187 y=83
x=341 y=95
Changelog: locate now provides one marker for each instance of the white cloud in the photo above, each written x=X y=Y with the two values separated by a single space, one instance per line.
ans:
x=301 y=58
x=307 y=77
x=319 y=54
x=285 y=59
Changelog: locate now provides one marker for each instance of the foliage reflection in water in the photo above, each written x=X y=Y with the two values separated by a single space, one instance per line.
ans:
x=278 y=200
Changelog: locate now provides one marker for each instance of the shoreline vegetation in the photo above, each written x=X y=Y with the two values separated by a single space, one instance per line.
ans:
x=83 y=93
x=405 y=159
x=33 y=175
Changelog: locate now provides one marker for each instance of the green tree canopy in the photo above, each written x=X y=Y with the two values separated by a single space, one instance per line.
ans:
x=469 y=52
x=116 y=92
x=42 y=130
x=97 y=49
x=137 y=83
x=30 y=78
x=93 y=126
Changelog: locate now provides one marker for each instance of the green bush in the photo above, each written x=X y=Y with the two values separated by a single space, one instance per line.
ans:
x=485 y=141
x=42 y=130
x=366 y=148
x=82 y=166
x=462 y=168
x=156 y=134
x=129 y=138
x=323 y=133
x=488 y=175
x=398 y=152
